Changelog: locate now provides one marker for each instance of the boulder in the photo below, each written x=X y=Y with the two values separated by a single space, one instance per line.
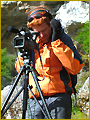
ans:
x=72 y=15
x=15 y=110
x=83 y=98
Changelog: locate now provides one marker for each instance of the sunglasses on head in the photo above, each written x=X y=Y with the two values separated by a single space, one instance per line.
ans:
x=37 y=14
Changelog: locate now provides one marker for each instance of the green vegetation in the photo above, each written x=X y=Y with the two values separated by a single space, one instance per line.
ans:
x=7 y=66
x=77 y=114
x=83 y=37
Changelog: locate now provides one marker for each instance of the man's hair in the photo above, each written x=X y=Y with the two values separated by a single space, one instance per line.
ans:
x=38 y=15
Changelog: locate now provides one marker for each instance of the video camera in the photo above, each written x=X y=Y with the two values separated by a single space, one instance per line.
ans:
x=24 y=40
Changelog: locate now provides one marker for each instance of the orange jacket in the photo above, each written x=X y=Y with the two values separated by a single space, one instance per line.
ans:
x=58 y=63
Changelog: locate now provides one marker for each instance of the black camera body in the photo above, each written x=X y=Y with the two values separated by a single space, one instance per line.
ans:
x=24 y=40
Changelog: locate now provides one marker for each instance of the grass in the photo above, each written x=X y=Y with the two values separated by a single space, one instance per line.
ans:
x=78 y=114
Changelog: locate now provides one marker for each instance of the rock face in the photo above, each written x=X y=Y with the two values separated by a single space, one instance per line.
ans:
x=74 y=11
x=83 y=101
x=73 y=14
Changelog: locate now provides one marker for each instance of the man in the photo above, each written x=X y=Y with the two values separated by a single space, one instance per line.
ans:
x=60 y=61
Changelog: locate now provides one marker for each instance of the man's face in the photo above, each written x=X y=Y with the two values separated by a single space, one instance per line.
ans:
x=45 y=31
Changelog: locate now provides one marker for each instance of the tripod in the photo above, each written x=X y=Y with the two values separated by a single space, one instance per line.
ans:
x=26 y=68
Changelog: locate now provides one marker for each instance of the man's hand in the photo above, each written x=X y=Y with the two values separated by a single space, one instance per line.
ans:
x=56 y=28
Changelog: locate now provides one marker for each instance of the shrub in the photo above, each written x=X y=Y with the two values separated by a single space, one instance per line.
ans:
x=83 y=37
x=7 y=65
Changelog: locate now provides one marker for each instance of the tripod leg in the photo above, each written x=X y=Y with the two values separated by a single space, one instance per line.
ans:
x=41 y=95
x=11 y=90
x=37 y=102
x=25 y=94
